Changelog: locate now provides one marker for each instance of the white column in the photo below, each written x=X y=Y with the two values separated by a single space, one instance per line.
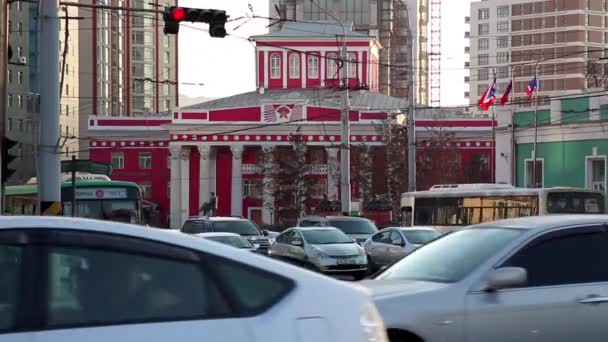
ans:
x=185 y=185
x=303 y=63
x=285 y=66
x=236 y=207
x=175 y=200
x=268 y=196
x=333 y=176
x=322 y=67
x=266 y=67
x=204 y=179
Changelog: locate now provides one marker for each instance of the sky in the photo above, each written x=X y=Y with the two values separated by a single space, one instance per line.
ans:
x=227 y=66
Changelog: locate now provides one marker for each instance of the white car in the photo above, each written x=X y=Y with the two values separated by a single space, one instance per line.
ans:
x=74 y=280
x=230 y=239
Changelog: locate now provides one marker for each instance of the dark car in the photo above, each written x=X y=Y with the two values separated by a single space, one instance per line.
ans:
x=357 y=228
x=246 y=228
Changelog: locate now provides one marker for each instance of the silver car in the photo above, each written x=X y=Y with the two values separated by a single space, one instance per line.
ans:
x=536 y=279
x=231 y=239
x=393 y=243
x=323 y=249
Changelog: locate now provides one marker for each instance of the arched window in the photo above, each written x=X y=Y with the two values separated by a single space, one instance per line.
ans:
x=352 y=65
x=275 y=66
x=332 y=66
x=313 y=66
x=294 y=65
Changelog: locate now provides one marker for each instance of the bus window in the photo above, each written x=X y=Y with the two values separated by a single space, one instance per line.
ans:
x=406 y=217
x=575 y=203
x=423 y=216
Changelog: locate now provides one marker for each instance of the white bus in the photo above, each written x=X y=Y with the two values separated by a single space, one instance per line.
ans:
x=448 y=207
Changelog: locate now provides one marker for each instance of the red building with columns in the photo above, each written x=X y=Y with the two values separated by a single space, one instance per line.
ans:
x=211 y=147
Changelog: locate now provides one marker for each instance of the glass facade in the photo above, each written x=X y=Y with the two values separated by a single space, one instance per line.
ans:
x=357 y=11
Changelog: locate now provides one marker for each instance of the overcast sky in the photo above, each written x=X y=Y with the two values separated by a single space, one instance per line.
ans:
x=227 y=66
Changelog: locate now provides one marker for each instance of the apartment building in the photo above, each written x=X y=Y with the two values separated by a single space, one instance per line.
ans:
x=564 y=37
x=387 y=21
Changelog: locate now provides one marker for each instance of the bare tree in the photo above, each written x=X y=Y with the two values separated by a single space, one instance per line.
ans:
x=395 y=140
x=597 y=74
x=439 y=160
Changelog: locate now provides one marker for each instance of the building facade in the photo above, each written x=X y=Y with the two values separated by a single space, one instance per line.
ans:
x=563 y=36
x=571 y=143
x=128 y=66
x=213 y=146
x=386 y=20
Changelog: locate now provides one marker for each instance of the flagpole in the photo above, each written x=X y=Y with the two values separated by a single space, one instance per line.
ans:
x=534 y=175
x=493 y=159
x=513 y=144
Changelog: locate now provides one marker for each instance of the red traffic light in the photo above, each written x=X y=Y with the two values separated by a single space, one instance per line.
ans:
x=178 y=14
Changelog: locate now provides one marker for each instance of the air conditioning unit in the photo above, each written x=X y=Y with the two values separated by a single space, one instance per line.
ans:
x=23 y=60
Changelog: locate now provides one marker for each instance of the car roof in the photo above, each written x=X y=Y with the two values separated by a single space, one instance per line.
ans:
x=413 y=228
x=316 y=228
x=208 y=235
x=216 y=218
x=353 y=218
x=545 y=222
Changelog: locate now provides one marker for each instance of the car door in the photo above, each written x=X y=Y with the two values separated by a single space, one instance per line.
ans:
x=113 y=288
x=15 y=270
x=565 y=298
x=296 y=251
x=396 y=250
x=280 y=248
x=381 y=247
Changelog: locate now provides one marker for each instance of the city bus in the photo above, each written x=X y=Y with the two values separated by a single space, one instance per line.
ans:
x=448 y=207
x=96 y=198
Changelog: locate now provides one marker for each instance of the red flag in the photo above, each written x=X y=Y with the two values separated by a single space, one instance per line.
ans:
x=488 y=97
x=505 y=97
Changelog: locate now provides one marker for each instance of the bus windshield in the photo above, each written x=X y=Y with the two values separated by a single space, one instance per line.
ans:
x=112 y=210
x=575 y=203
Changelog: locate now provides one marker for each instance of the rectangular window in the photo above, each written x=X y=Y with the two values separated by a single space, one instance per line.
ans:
x=167 y=57
x=483 y=59
x=20 y=125
x=483 y=44
x=483 y=29
x=146 y=190
x=332 y=66
x=294 y=65
x=118 y=160
x=145 y=160
x=502 y=42
x=313 y=67
x=503 y=11
x=12 y=259
x=352 y=65
x=253 y=188
x=481 y=88
x=483 y=13
x=10 y=100
x=596 y=169
x=502 y=26
x=502 y=57
x=10 y=124
x=503 y=72
x=275 y=66
x=10 y=76
x=483 y=74
x=531 y=175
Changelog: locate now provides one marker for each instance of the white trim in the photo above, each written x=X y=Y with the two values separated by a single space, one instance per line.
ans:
x=322 y=65
x=285 y=67
x=560 y=133
x=267 y=65
x=304 y=69
x=311 y=48
x=588 y=169
x=531 y=160
x=270 y=65
x=360 y=66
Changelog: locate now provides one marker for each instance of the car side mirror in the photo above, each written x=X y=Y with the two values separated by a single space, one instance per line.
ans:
x=265 y=232
x=297 y=243
x=400 y=244
x=506 y=277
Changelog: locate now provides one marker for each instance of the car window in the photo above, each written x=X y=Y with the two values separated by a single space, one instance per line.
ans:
x=263 y=289
x=396 y=238
x=195 y=227
x=295 y=235
x=325 y=236
x=354 y=226
x=565 y=258
x=383 y=236
x=420 y=237
x=285 y=237
x=10 y=265
x=235 y=241
x=100 y=287
x=237 y=227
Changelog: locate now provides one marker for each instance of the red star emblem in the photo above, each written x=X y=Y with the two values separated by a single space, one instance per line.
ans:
x=283 y=112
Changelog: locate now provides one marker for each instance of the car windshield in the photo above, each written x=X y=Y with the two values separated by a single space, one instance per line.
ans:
x=420 y=237
x=354 y=226
x=325 y=236
x=452 y=257
x=235 y=241
x=237 y=227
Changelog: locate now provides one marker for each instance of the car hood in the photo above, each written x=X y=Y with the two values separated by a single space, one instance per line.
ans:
x=340 y=249
x=382 y=289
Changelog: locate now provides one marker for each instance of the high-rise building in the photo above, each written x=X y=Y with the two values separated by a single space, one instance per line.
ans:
x=128 y=65
x=513 y=36
x=23 y=101
x=385 y=20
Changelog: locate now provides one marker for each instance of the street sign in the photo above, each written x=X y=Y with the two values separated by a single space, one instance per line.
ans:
x=86 y=166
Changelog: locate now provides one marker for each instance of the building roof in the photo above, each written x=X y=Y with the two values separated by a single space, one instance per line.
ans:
x=359 y=100
x=312 y=29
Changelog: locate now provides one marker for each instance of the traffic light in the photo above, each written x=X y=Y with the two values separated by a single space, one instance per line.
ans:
x=7 y=158
x=215 y=18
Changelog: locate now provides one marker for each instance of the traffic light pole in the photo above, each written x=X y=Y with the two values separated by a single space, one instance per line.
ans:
x=3 y=93
x=50 y=166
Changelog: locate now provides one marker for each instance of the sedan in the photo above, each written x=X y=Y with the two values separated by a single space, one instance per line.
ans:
x=74 y=280
x=323 y=249
x=230 y=239
x=393 y=243
x=536 y=279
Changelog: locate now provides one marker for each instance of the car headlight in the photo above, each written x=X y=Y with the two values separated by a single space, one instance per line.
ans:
x=372 y=324
x=318 y=252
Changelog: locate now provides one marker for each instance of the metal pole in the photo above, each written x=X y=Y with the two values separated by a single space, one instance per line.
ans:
x=534 y=175
x=3 y=94
x=411 y=126
x=513 y=144
x=345 y=137
x=493 y=158
x=49 y=177
x=73 y=186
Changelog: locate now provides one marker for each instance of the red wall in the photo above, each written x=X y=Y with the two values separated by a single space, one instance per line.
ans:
x=223 y=174
x=261 y=65
x=195 y=167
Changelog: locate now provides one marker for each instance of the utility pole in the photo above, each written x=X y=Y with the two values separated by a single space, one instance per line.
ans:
x=3 y=94
x=50 y=166
x=411 y=126
x=345 y=136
